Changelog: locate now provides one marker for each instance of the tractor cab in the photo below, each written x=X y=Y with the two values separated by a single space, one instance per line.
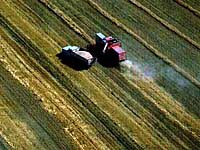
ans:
x=111 y=47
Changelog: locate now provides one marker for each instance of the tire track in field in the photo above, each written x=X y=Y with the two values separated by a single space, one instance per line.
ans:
x=166 y=24
x=5 y=143
x=66 y=19
x=187 y=6
x=146 y=44
x=115 y=130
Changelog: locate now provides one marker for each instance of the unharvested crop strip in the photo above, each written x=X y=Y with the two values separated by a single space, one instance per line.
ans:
x=26 y=10
x=187 y=6
x=66 y=19
x=146 y=44
x=165 y=23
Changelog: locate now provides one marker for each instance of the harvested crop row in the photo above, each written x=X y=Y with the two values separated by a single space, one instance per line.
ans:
x=187 y=6
x=165 y=23
x=19 y=121
x=68 y=20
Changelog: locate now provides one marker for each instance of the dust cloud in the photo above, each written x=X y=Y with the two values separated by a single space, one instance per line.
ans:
x=138 y=71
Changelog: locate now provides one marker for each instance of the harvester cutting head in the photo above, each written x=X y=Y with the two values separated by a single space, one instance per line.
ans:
x=110 y=46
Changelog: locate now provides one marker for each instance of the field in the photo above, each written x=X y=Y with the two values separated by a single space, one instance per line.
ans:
x=151 y=101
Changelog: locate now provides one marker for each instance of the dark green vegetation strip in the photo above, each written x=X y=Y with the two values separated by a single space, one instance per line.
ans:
x=3 y=144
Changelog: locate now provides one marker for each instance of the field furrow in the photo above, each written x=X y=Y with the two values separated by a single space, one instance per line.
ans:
x=166 y=24
x=192 y=6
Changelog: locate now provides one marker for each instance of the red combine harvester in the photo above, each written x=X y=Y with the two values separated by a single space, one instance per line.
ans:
x=111 y=47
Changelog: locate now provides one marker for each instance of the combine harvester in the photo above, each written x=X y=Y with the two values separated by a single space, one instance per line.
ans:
x=107 y=50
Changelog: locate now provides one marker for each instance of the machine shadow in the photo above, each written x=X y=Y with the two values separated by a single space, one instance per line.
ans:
x=72 y=62
x=107 y=60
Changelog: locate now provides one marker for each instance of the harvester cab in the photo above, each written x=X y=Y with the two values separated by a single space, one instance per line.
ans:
x=110 y=46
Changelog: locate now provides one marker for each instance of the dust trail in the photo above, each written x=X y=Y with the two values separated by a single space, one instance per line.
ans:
x=141 y=71
x=133 y=69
